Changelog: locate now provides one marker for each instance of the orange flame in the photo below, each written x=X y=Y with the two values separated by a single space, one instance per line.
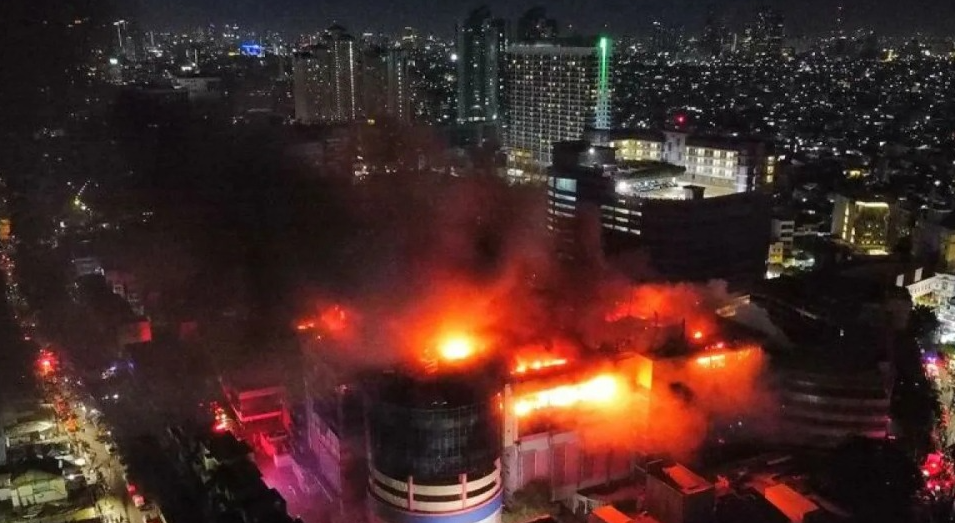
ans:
x=523 y=367
x=334 y=319
x=456 y=348
x=599 y=390
x=720 y=360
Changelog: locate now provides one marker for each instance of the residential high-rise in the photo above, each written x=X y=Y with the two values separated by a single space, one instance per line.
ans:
x=398 y=101
x=342 y=47
x=556 y=88
x=309 y=79
x=535 y=25
x=385 y=85
x=711 y=41
x=326 y=77
x=481 y=44
x=767 y=33
x=433 y=75
x=663 y=39
x=373 y=80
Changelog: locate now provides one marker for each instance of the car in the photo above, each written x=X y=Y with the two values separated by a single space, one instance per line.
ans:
x=151 y=513
x=32 y=512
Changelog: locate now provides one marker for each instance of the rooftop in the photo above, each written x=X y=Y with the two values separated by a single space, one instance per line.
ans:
x=589 y=43
x=791 y=503
x=661 y=181
x=608 y=514
x=746 y=507
x=680 y=478
x=226 y=447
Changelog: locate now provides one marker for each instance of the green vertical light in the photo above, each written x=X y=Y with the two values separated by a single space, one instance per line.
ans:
x=604 y=62
x=603 y=89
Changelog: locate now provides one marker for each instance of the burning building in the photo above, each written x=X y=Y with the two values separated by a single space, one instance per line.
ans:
x=334 y=413
x=588 y=422
x=475 y=418
x=258 y=401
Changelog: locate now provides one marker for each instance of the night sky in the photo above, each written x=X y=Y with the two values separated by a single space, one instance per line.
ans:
x=619 y=16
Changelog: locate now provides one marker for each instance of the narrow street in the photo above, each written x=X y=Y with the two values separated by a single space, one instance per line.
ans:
x=940 y=371
x=105 y=470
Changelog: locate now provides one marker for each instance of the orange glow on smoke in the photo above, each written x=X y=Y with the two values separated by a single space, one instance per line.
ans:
x=665 y=305
x=456 y=348
x=453 y=325
x=334 y=321
x=599 y=390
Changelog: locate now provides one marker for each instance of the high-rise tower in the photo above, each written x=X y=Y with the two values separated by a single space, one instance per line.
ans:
x=534 y=24
x=481 y=44
x=556 y=88
x=398 y=102
x=767 y=33
x=711 y=41
x=325 y=78
x=434 y=451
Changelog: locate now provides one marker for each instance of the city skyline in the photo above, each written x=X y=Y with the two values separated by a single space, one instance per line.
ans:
x=445 y=262
x=808 y=17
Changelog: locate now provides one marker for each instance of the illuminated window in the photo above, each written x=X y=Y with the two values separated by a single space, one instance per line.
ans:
x=566 y=184
x=565 y=197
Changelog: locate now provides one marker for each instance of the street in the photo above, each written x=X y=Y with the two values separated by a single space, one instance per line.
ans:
x=104 y=470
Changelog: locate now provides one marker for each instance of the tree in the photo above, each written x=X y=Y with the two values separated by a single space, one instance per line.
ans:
x=915 y=406
x=531 y=501
x=923 y=323
x=874 y=478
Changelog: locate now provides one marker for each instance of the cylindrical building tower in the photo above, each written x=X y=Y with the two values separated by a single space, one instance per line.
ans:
x=434 y=450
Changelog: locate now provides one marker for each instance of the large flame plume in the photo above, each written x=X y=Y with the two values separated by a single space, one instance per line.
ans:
x=447 y=308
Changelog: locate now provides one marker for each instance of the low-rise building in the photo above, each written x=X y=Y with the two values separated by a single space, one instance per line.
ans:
x=742 y=164
x=862 y=223
x=200 y=87
x=37 y=485
x=656 y=214
x=677 y=495
x=221 y=470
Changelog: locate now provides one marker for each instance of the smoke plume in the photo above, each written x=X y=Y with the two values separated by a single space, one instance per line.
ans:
x=473 y=258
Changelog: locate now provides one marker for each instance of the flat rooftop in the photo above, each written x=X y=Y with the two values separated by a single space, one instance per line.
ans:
x=682 y=478
x=791 y=503
x=661 y=181
x=608 y=514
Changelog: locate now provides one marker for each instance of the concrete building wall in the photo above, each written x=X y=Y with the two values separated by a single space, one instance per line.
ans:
x=560 y=461
x=40 y=491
